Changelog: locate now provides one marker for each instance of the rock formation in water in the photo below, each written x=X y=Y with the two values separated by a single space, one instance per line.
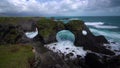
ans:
x=83 y=37
x=98 y=56
x=49 y=30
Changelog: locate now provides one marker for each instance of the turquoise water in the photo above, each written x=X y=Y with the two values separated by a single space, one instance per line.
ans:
x=65 y=35
x=109 y=26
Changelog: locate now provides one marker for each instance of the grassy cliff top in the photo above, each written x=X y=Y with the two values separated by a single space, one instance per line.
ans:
x=15 y=20
x=15 y=56
x=48 y=26
x=75 y=25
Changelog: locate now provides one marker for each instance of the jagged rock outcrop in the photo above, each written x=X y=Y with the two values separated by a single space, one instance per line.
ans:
x=96 y=60
x=48 y=59
x=49 y=28
x=88 y=41
x=12 y=29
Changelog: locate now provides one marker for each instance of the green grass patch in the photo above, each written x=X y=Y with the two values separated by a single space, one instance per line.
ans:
x=15 y=56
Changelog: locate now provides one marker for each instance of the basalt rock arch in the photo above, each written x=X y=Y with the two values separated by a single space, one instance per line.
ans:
x=83 y=36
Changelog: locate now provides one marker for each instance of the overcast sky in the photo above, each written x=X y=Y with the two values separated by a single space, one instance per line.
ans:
x=59 y=7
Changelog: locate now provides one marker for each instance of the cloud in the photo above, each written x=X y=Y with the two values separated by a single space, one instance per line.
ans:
x=58 y=7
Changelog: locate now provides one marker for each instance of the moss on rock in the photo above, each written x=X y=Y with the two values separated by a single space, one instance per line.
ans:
x=75 y=25
x=48 y=29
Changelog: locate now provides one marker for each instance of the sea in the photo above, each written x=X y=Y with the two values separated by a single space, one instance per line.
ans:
x=108 y=26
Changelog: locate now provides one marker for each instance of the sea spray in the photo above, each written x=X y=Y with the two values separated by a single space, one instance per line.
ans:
x=107 y=34
x=65 y=35
x=65 y=48
x=100 y=25
x=32 y=34
x=113 y=47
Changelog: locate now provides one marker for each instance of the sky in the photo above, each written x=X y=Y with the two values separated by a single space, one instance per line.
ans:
x=59 y=7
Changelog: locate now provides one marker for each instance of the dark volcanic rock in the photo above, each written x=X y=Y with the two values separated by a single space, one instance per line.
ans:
x=101 y=39
x=94 y=61
x=89 y=41
x=46 y=58
x=114 y=62
x=77 y=26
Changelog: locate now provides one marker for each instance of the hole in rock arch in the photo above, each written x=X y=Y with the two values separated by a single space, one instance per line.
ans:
x=65 y=35
x=32 y=34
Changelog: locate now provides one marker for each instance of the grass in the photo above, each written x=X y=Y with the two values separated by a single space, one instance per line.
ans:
x=15 y=56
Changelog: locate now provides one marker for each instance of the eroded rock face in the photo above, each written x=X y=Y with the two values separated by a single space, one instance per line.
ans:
x=77 y=27
x=83 y=37
x=86 y=38
x=48 y=29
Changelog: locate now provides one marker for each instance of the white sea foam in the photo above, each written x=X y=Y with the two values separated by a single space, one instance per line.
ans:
x=106 y=27
x=100 y=25
x=32 y=34
x=66 y=47
x=113 y=46
x=109 y=34
x=94 y=23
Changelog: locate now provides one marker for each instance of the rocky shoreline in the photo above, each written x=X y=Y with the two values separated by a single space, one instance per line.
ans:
x=97 y=56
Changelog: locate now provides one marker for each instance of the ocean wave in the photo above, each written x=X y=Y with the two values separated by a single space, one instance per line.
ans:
x=100 y=25
x=94 y=23
x=106 y=27
x=110 y=34
x=114 y=46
